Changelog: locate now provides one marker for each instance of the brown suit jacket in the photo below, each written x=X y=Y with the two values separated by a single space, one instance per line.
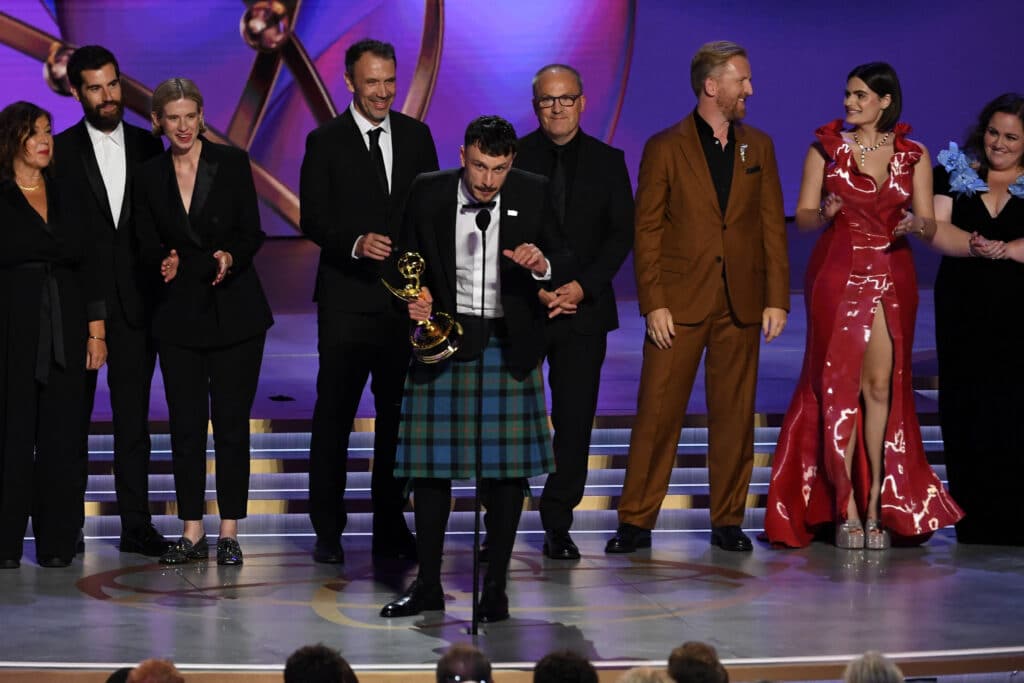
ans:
x=683 y=241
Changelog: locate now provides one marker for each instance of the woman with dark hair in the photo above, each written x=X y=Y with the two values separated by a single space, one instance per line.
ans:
x=198 y=222
x=46 y=344
x=981 y=411
x=850 y=451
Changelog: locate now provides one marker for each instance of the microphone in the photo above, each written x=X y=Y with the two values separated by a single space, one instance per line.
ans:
x=483 y=220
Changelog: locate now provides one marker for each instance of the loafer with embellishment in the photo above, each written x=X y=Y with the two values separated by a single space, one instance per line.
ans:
x=229 y=553
x=185 y=551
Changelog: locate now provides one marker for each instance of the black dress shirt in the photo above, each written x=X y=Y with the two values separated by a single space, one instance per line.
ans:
x=720 y=161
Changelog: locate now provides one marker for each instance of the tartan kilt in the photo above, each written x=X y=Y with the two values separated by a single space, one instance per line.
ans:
x=437 y=438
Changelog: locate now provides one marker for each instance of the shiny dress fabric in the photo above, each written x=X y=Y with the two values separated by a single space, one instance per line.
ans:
x=978 y=333
x=855 y=267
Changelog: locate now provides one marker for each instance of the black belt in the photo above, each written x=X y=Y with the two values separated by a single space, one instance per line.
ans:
x=473 y=326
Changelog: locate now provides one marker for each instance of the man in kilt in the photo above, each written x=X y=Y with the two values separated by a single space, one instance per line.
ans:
x=451 y=217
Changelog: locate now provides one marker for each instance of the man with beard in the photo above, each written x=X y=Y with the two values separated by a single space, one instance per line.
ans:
x=99 y=156
x=355 y=175
x=712 y=271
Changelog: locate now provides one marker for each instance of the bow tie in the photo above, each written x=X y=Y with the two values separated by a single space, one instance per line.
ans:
x=476 y=206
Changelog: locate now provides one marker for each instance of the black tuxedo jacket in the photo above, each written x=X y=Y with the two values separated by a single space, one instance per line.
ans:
x=223 y=216
x=598 y=226
x=111 y=238
x=342 y=199
x=526 y=216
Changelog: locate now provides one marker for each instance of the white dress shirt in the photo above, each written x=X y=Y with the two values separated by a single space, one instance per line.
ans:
x=384 y=141
x=469 y=259
x=110 y=157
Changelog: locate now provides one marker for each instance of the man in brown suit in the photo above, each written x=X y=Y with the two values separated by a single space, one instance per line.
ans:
x=712 y=271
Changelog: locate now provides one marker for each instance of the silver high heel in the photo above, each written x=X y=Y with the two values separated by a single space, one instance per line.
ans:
x=850 y=534
x=875 y=537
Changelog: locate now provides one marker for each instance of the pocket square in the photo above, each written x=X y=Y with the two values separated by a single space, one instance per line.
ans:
x=752 y=169
x=513 y=212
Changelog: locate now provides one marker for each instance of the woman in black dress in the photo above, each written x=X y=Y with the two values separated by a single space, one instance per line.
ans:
x=47 y=294
x=979 y=325
x=198 y=222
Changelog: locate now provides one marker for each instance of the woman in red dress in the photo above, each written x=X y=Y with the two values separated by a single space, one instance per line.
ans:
x=850 y=451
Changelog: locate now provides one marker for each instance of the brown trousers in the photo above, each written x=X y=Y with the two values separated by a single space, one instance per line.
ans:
x=666 y=381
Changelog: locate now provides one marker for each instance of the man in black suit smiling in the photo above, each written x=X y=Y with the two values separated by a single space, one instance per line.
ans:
x=591 y=192
x=355 y=175
x=99 y=157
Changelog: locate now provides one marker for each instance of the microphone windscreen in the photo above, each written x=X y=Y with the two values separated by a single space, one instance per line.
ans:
x=483 y=219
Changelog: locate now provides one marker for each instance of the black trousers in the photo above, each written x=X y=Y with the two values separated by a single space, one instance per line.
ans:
x=574 y=375
x=433 y=499
x=354 y=347
x=219 y=385
x=39 y=459
x=131 y=359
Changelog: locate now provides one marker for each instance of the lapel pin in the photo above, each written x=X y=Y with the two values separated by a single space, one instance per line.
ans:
x=513 y=212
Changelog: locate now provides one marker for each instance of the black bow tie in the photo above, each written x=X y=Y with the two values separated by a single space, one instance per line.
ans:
x=478 y=206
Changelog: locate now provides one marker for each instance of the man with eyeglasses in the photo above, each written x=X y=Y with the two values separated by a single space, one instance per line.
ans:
x=593 y=197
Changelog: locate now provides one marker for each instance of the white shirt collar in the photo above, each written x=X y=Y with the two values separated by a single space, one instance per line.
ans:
x=97 y=135
x=364 y=123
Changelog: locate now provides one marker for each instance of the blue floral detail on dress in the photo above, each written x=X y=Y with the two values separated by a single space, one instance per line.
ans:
x=1017 y=188
x=963 y=177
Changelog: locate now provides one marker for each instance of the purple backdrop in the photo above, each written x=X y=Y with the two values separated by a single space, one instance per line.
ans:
x=634 y=57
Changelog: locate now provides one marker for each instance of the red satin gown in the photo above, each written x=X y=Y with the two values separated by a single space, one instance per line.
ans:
x=856 y=266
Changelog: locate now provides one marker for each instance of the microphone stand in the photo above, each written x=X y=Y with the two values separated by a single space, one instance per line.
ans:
x=483 y=221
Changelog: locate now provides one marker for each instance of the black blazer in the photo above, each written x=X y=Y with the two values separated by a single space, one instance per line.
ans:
x=34 y=254
x=526 y=216
x=598 y=226
x=223 y=216
x=341 y=199
x=111 y=240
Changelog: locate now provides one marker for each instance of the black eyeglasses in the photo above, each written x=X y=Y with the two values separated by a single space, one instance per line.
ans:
x=564 y=100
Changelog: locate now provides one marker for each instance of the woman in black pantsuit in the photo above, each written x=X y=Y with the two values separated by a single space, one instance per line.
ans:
x=199 y=223
x=45 y=344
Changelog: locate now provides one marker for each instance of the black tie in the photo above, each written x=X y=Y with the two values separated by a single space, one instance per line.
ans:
x=558 y=184
x=377 y=158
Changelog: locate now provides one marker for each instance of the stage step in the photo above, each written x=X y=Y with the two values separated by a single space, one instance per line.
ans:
x=278 y=499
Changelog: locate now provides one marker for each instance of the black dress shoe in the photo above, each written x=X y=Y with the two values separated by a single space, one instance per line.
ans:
x=185 y=551
x=628 y=539
x=400 y=545
x=54 y=562
x=328 y=552
x=144 y=540
x=9 y=563
x=558 y=545
x=731 y=538
x=493 y=604
x=420 y=597
x=229 y=553
x=80 y=543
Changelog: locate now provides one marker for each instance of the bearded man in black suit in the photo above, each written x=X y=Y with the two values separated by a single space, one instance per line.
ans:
x=355 y=175
x=99 y=157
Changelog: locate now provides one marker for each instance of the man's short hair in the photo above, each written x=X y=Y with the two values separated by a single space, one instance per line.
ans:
x=709 y=59
x=89 y=58
x=564 y=666
x=557 y=67
x=463 y=662
x=694 y=662
x=492 y=134
x=318 y=664
x=872 y=667
x=155 y=671
x=376 y=48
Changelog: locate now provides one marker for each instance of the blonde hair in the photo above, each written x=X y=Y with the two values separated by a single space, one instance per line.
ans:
x=172 y=90
x=644 y=675
x=709 y=58
x=872 y=667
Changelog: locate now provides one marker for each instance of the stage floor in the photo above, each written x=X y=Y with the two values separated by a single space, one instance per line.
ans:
x=766 y=606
